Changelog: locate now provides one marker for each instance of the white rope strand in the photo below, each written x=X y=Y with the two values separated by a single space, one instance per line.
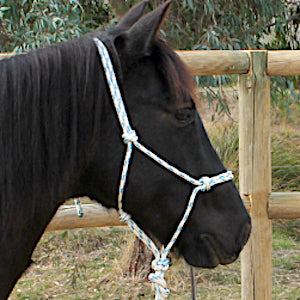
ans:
x=113 y=86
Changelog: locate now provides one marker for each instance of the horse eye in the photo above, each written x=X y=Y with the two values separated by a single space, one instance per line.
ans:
x=185 y=115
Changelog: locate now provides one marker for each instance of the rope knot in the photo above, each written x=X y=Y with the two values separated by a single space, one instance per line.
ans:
x=160 y=264
x=124 y=217
x=204 y=183
x=129 y=137
x=159 y=283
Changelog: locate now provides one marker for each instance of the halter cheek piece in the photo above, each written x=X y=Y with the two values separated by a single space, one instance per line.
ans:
x=161 y=263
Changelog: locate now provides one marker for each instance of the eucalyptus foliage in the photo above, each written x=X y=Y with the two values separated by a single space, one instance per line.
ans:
x=226 y=24
x=235 y=25
x=193 y=24
x=30 y=24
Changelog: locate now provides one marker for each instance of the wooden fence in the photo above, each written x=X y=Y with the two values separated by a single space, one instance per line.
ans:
x=254 y=68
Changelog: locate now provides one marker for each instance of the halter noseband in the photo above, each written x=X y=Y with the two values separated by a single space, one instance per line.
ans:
x=161 y=263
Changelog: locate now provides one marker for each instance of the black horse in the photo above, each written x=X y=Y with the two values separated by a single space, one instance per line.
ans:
x=60 y=138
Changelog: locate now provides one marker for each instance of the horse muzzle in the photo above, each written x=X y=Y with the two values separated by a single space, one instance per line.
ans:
x=211 y=252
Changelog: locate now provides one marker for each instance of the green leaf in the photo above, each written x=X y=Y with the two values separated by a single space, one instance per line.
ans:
x=4 y=8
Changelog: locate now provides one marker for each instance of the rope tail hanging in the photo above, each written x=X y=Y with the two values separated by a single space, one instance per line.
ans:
x=161 y=263
x=78 y=206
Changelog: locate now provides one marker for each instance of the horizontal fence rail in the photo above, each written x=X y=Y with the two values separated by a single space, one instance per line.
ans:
x=284 y=205
x=218 y=62
x=281 y=206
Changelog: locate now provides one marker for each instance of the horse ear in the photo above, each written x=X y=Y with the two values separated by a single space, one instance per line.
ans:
x=139 y=38
x=133 y=15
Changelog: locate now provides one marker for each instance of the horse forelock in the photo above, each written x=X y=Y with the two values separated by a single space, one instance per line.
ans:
x=178 y=79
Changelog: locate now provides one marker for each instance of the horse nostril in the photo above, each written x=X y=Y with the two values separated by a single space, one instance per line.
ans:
x=245 y=234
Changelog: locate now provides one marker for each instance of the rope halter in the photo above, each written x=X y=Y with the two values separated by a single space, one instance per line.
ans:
x=161 y=263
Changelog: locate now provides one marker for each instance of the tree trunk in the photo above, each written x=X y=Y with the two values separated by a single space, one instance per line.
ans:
x=140 y=260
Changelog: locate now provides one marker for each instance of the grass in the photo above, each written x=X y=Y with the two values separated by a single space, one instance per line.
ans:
x=87 y=264
x=92 y=263
x=286 y=152
x=285 y=148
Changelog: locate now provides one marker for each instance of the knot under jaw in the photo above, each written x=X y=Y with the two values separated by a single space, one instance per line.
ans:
x=160 y=266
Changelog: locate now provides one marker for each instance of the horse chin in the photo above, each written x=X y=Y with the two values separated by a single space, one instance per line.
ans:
x=209 y=255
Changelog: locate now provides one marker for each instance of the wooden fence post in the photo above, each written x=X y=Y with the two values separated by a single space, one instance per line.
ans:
x=255 y=176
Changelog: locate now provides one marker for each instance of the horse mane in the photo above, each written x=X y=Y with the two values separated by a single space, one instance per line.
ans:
x=45 y=127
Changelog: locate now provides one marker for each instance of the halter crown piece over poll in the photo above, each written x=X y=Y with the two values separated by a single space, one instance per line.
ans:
x=161 y=263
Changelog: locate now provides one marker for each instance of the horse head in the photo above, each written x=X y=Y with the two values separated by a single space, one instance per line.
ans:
x=159 y=95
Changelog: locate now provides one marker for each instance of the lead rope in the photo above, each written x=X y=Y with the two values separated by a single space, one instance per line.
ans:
x=193 y=283
x=161 y=263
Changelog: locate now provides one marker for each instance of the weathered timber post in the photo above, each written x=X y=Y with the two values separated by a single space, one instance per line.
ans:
x=255 y=176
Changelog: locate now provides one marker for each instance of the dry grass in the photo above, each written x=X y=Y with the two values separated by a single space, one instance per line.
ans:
x=87 y=264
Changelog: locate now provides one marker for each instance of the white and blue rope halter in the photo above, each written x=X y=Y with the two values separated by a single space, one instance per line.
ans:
x=161 y=263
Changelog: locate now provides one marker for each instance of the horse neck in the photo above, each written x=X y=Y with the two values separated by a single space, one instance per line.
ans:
x=50 y=107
